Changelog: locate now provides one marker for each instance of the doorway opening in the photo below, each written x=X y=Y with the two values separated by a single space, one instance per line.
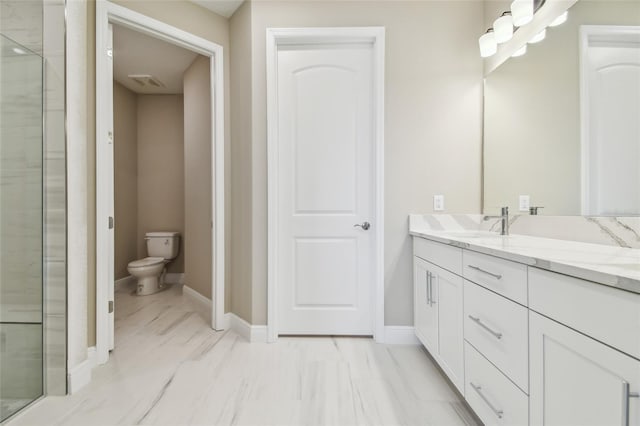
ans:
x=178 y=172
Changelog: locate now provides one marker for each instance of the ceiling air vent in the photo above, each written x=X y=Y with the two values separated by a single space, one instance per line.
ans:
x=146 y=80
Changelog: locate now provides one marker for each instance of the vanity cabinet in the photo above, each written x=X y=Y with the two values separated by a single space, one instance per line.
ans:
x=527 y=346
x=576 y=380
x=438 y=313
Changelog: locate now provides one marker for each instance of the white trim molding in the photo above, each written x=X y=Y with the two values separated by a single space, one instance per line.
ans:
x=108 y=13
x=80 y=375
x=201 y=303
x=124 y=282
x=275 y=38
x=253 y=333
x=400 y=335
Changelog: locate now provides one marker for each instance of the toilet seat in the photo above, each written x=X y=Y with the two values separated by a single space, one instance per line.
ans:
x=147 y=261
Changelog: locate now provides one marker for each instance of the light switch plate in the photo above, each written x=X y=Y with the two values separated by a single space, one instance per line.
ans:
x=438 y=202
x=524 y=203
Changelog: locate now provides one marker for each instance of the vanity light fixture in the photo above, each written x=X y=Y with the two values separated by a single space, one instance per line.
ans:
x=520 y=51
x=522 y=12
x=488 y=44
x=560 y=19
x=538 y=37
x=503 y=28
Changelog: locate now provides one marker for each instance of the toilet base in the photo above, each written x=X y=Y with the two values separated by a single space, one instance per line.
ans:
x=151 y=285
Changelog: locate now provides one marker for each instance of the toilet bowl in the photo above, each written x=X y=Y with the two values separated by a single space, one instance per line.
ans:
x=149 y=272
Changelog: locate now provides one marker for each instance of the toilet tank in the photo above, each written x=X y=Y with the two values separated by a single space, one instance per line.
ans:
x=163 y=244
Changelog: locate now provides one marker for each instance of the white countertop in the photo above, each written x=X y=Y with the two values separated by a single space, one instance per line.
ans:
x=613 y=266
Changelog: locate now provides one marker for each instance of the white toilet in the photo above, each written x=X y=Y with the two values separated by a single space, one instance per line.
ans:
x=162 y=248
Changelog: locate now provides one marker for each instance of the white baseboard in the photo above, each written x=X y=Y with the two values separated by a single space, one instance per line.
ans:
x=174 y=278
x=253 y=333
x=400 y=335
x=123 y=282
x=80 y=375
x=201 y=303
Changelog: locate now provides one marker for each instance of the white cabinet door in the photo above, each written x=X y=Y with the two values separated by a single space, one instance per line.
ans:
x=576 y=380
x=438 y=318
x=425 y=308
x=450 y=325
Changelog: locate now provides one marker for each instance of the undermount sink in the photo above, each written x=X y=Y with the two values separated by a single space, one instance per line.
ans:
x=471 y=234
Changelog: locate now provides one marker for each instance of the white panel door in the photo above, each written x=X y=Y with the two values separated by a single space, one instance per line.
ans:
x=325 y=187
x=108 y=158
x=613 y=174
x=576 y=380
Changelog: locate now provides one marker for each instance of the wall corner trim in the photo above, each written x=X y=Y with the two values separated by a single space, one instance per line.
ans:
x=80 y=375
x=253 y=333
x=400 y=335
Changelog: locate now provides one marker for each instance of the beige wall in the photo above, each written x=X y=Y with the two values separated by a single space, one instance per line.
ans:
x=240 y=58
x=188 y=17
x=197 y=176
x=125 y=126
x=433 y=102
x=160 y=169
x=532 y=116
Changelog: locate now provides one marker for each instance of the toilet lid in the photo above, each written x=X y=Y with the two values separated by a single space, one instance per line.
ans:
x=147 y=261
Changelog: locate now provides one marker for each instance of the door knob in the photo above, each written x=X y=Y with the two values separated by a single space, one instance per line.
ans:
x=364 y=225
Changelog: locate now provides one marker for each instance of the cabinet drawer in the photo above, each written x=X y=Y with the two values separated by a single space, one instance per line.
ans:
x=493 y=397
x=447 y=257
x=607 y=314
x=502 y=276
x=498 y=328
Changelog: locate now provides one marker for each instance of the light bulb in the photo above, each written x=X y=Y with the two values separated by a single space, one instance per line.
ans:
x=488 y=44
x=520 y=51
x=560 y=19
x=503 y=28
x=522 y=12
x=538 y=37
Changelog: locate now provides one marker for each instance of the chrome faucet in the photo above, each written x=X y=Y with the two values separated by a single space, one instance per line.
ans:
x=504 y=220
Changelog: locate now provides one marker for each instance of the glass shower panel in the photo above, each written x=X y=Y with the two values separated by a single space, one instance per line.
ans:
x=21 y=227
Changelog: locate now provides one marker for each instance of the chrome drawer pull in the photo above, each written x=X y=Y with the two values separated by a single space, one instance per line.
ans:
x=626 y=394
x=496 y=276
x=481 y=324
x=478 y=389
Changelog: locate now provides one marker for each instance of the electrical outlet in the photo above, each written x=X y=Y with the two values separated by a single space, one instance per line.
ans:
x=524 y=203
x=438 y=202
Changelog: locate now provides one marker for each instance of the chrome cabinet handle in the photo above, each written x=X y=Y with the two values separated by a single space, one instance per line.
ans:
x=626 y=394
x=365 y=225
x=433 y=302
x=478 y=389
x=428 y=287
x=496 y=276
x=478 y=321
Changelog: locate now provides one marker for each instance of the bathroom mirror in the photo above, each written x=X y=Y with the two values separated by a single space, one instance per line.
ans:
x=562 y=122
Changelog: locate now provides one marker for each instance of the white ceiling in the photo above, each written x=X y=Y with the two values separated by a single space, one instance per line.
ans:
x=221 y=7
x=136 y=53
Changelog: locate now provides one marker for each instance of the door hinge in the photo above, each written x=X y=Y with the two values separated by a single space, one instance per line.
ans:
x=110 y=137
x=110 y=222
x=110 y=306
x=109 y=52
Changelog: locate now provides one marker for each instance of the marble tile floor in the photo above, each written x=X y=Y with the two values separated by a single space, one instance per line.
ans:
x=170 y=368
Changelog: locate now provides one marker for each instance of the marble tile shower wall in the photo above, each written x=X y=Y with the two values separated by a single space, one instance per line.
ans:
x=614 y=231
x=55 y=249
x=40 y=26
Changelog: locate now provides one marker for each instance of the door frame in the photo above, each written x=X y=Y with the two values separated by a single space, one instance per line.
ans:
x=590 y=34
x=110 y=13
x=276 y=37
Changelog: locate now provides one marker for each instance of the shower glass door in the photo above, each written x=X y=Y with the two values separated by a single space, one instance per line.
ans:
x=21 y=227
